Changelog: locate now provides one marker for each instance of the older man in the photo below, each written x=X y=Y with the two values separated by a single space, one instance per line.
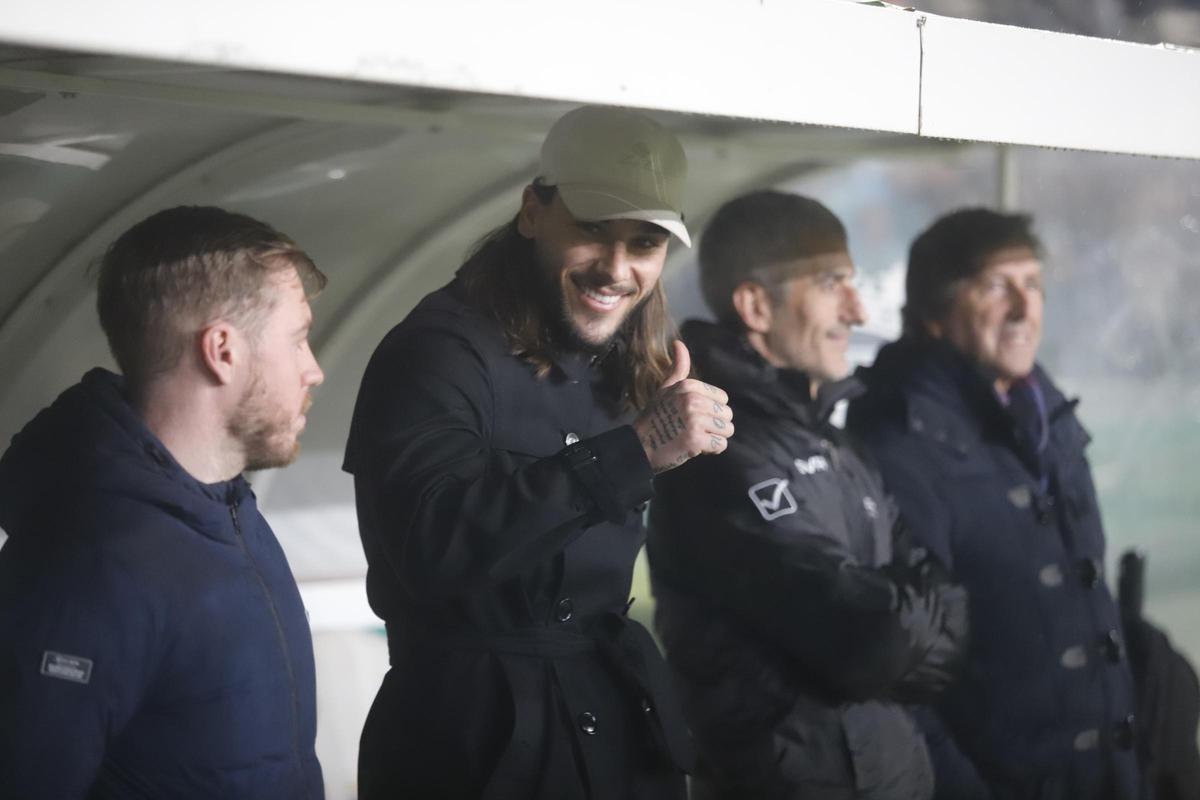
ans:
x=794 y=612
x=504 y=440
x=153 y=640
x=975 y=440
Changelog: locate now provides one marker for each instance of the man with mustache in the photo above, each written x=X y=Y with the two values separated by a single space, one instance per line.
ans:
x=154 y=641
x=794 y=612
x=503 y=445
x=976 y=442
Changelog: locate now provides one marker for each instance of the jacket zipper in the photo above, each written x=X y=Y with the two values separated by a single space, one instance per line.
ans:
x=287 y=655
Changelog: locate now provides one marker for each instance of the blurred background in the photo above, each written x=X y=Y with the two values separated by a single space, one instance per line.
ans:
x=387 y=187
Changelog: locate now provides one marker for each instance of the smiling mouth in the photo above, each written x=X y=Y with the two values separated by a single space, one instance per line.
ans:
x=1018 y=337
x=599 y=298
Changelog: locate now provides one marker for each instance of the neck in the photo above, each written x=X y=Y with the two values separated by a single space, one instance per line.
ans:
x=188 y=421
x=759 y=342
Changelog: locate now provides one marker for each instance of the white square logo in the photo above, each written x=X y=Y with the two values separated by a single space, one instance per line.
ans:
x=773 y=499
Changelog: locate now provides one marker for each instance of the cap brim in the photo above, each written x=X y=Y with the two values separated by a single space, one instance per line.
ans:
x=598 y=205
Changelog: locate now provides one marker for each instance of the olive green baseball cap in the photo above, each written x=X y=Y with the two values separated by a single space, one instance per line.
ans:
x=612 y=163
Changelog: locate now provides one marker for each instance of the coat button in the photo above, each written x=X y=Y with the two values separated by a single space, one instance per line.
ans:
x=571 y=438
x=1074 y=657
x=1090 y=570
x=565 y=610
x=1050 y=575
x=1110 y=645
x=1044 y=511
x=1087 y=740
x=1123 y=733
x=587 y=723
x=647 y=706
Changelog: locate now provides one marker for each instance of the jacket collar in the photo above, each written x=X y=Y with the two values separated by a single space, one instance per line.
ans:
x=945 y=396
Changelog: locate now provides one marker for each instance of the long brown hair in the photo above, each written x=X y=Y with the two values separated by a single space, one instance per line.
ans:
x=500 y=278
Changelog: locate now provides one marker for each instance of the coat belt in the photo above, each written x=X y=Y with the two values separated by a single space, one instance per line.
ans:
x=541 y=642
x=624 y=644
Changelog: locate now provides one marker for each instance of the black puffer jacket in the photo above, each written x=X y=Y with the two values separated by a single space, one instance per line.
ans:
x=1044 y=707
x=794 y=613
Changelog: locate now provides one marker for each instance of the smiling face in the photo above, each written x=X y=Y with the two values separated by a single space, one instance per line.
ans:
x=809 y=329
x=596 y=273
x=270 y=415
x=996 y=317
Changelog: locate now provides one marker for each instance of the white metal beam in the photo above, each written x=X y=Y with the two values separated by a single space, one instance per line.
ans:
x=1003 y=84
x=821 y=61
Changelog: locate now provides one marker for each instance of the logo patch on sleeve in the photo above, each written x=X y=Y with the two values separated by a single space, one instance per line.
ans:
x=69 y=668
x=773 y=499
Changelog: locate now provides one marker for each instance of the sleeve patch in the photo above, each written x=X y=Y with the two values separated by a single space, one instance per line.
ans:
x=773 y=499
x=68 y=668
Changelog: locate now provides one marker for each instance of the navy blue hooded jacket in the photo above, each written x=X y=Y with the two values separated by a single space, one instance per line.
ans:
x=152 y=639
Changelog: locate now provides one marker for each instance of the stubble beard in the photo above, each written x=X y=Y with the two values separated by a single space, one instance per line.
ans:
x=262 y=429
x=565 y=331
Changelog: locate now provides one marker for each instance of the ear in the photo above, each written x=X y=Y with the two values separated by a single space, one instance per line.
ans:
x=220 y=350
x=753 y=305
x=530 y=214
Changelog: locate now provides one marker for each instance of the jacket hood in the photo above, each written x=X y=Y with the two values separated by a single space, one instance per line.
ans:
x=91 y=440
x=725 y=358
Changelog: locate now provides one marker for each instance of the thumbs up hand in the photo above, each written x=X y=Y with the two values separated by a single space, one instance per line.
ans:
x=685 y=419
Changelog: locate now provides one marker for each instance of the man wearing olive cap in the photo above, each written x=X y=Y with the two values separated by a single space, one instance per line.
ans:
x=503 y=443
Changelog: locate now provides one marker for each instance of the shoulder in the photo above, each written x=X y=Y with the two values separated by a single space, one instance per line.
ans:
x=442 y=323
x=108 y=556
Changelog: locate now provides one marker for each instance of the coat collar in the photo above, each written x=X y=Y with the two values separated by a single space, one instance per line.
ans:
x=945 y=397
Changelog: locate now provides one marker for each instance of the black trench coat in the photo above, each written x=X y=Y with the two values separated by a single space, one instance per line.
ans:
x=515 y=670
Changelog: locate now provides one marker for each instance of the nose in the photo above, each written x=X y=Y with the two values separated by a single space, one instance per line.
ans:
x=1018 y=302
x=313 y=374
x=616 y=263
x=853 y=310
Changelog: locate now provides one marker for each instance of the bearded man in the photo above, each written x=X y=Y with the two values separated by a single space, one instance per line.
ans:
x=503 y=444
x=155 y=644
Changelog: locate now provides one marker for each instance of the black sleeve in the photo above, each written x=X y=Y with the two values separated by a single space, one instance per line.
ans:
x=933 y=609
x=770 y=563
x=452 y=513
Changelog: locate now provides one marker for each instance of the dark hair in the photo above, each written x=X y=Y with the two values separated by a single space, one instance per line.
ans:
x=500 y=278
x=180 y=269
x=752 y=236
x=953 y=249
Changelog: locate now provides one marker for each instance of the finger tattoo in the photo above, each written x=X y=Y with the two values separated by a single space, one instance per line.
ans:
x=720 y=423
